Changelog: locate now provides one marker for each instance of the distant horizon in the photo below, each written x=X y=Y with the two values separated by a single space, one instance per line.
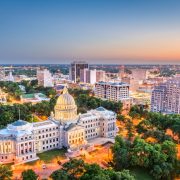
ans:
x=125 y=31
x=141 y=64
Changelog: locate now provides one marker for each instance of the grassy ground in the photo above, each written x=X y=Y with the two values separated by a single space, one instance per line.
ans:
x=51 y=155
x=141 y=174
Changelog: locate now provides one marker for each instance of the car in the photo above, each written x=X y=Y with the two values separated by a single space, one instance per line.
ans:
x=44 y=166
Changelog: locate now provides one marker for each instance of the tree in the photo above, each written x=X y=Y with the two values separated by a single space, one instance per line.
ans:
x=140 y=153
x=130 y=129
x=29 y=175
x=124 y=175
x=176 y=128
x=5 y=172
x=121 y=153
x=74 y=168
x=60 y=175
x=93 y=171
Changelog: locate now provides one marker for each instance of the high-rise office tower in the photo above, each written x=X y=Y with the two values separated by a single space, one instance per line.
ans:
x=88 y=76
x=44 y=78
x=75 y=70
x=166 y=97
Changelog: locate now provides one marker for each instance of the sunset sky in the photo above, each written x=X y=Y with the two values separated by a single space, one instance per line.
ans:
x=98 y=31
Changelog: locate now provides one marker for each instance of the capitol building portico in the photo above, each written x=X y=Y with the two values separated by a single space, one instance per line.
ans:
x=21 y=141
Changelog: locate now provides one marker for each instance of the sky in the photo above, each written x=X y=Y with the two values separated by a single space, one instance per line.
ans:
x=97 y=31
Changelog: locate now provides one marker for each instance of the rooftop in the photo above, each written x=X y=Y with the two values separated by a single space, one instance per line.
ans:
x=19 y=123
x=113 y=83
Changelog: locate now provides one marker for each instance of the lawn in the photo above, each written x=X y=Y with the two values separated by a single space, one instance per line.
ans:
x=49 y=156
x=141 y=174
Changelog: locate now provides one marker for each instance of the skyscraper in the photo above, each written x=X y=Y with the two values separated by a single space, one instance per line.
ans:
x=166 y=97
x=88 y=76
x=75 y=70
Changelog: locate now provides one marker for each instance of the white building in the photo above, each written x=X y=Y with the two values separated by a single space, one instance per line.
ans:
x=88 y=76
x=44 y=78
x=114 y=91
x=92 y=76
x=10 y=77
x=21 y=141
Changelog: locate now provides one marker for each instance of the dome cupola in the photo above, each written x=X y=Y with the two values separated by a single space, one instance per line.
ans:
x=65 y=108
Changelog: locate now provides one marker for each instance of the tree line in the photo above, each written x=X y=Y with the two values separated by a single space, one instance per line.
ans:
x=159 y=159
x=155 y=124
x=86 y=101
x=10 y=113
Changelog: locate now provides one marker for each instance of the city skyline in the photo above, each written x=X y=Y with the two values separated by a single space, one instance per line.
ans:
x=99 y=31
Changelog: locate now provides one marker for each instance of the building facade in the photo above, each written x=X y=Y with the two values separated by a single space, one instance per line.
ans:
x=100 y=75
x=2 y=74
x=166 y=97
x=75 y=70
x=113 y=91
x=44 y=78
x=21 y=141
x=88 y=76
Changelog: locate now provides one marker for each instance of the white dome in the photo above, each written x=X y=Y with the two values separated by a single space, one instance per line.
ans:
x=65 y=109
x=65 y=98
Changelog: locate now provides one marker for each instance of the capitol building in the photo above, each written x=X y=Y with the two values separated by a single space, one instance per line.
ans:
x=21 y=141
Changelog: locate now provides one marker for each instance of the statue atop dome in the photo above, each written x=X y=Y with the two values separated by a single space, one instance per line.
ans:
x=65 y=108
x=65 y=90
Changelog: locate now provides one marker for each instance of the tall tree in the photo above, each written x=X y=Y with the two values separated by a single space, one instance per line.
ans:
x=5 y=172
x=29 y=175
